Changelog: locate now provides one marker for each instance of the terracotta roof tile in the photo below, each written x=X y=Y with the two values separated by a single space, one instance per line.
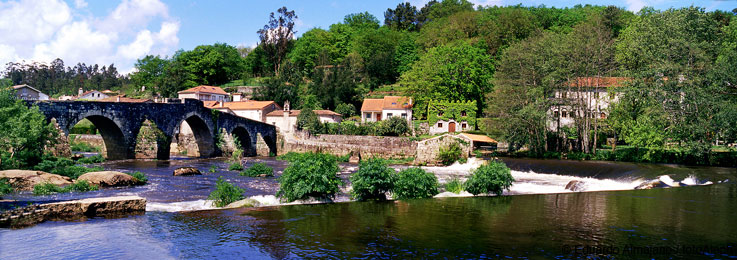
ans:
x=205 y=89
x=241 y=105
x=370 y=105
x=124 y=99
x=479 y=138
x=296 y=113
x=388 y=102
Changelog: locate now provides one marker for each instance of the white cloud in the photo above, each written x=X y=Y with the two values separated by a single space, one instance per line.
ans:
x=43 y=30
x=478 y=3
x=635 y=5
x=80 y=4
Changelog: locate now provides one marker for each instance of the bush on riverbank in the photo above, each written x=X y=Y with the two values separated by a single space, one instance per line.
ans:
x=450 y=154
x=49 y=188
x=493 y=177
x=225 y=193
x=415 y=183
x=454 y=185
x=310 y=175
x=372 y=180
x=64 y=167
x=92 y=159
x=24 y=133
x=5 y=187
x=258 y=169
x=288 y=156
x=139 y=176
x=236 y=166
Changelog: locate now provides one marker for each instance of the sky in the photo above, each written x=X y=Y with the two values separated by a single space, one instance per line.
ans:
x=120 y=32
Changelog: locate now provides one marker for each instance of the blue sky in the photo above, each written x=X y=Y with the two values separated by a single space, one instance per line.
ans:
x=120 y=32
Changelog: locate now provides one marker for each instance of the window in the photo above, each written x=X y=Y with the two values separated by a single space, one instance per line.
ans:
x=556 y=113
x=368 y=115
x=463 y=113
x=440 y=124
x=404 y=115
x=565 y=113
x=564 y=94
x=388 y=115
x=603 y=115
x=463 y=126
x=440 y=113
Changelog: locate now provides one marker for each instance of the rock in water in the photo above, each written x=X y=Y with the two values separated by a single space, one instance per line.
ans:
x=109 y=179
x=186 y=171
x=25 y=179
x=576 y=185
x=651 y=184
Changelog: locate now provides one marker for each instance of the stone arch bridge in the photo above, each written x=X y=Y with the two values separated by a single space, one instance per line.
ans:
x=120 y=122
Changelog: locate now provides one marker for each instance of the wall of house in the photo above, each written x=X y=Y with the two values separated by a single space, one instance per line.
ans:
x=250 y=114
x=329 y=119
x=435 y=129
x=396 y=112
x=93 y=96
x=285 y=124
x=26 y=94
x=371 y=119
x=188 y=95
x=597 y=101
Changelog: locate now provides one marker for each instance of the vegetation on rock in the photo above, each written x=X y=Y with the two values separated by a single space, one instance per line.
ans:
x=372 y=180
x=415 y=183
x=493 y=177
x=225 y=193
x=309 y=175
x=257 y=170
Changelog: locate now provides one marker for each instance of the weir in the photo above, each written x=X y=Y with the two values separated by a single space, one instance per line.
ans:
x=120 y=122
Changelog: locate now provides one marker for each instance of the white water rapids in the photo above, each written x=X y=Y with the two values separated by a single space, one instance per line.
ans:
x=525 y=183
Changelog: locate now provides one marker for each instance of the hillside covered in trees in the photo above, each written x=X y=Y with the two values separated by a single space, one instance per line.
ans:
x=681 y=66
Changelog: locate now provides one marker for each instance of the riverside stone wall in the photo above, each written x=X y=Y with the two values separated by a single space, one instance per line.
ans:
x=427 y=150
x=364 y=146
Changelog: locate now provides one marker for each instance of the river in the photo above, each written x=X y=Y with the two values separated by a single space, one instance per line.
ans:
x=538 y=220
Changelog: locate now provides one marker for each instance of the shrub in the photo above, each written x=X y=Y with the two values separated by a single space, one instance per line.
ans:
x=309 y=175
x=394 y=126
x=225 y=193
x=454 y=185
x=75 y=171
x=415 y=183
x=83 y=147
x=493 y=177
x=49 y=188
x=139 y=176
x=450 y=154
x=51 y=163
x=92 y=159
x=257 y=169
x=64 y=167
x=372 y=180
x=5 y=187
x=236 y=166
x=345 y=109
x=213 y=169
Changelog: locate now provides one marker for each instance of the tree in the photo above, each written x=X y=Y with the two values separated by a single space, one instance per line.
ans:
x=347 y=110
x=362 y=21
x=212 y=64
x=394 y=126
x=403 y=18
x=453 y=72
x=372 y=180
x=24 y=133
x=276 y=36
x=150 y=72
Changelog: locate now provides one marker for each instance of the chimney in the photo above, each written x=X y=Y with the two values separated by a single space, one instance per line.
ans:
x=118 y=99
x=79 y=92
x=222 y=104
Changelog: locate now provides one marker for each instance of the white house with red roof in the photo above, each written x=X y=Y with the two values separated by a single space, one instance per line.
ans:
x=374 y=110
x=255 y=110
x=26 y=92
x=204 y=93
x=91 y=95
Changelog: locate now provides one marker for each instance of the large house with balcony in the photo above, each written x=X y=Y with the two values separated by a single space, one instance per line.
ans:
x=584 y=96
x=26 y=92
x=374 y=110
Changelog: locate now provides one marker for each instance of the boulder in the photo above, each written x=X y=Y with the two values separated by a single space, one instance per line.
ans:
x=576 y=185
x=24 y=180
x=109 y=179
x=651 y=184
x=186 y=171
x=244 y=203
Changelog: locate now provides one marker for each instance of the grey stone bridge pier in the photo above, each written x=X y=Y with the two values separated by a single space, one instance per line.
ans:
x=120 y=122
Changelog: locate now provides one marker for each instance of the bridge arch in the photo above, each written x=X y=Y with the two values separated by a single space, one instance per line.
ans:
x=202 y=133
x=244 y=139
x=116 y=147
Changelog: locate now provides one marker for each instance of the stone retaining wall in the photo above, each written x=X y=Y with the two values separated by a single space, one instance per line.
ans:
x=72 y=210
x=427 y=150
x=365 y=146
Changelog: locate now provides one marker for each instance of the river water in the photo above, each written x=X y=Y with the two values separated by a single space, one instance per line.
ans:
x=539 y=220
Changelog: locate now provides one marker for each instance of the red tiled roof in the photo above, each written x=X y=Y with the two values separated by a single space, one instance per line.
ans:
x=241 y=105
x=598 y=82
x=296 y=113
x=205 y=89
x=125 y=99
x=388 y=102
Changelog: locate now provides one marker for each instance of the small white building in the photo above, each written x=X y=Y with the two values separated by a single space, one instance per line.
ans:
x=91 y=95
x=593 y=94
x=204 y=93
x=26 y=92
x=254 y=110
x=286 y=120
x=374 y=110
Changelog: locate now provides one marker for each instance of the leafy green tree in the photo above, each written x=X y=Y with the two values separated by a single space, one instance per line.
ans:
x=403 y=18
x=276 y=36
x=415 y=183
x=347 y=110
x=150 y=71
x=493 y=177
x=372 y=180
x=362 y=21
x=309 y=175
x=212 y=64
x=24 y=133
x=394 y=126
x=312 y=49
x=457 y=71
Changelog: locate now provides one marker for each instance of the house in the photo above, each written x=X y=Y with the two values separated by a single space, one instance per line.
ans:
x=254 y=110
x=216 y=105
x=122 y=98
x=204 y=93
x=286 y=120
x=449 y=117
x=26 y=92
x=91 y=95
x=592 y=96
x=374 y=110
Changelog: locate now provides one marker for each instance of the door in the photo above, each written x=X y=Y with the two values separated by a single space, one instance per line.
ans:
x=451 y=127
x=378 y=117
